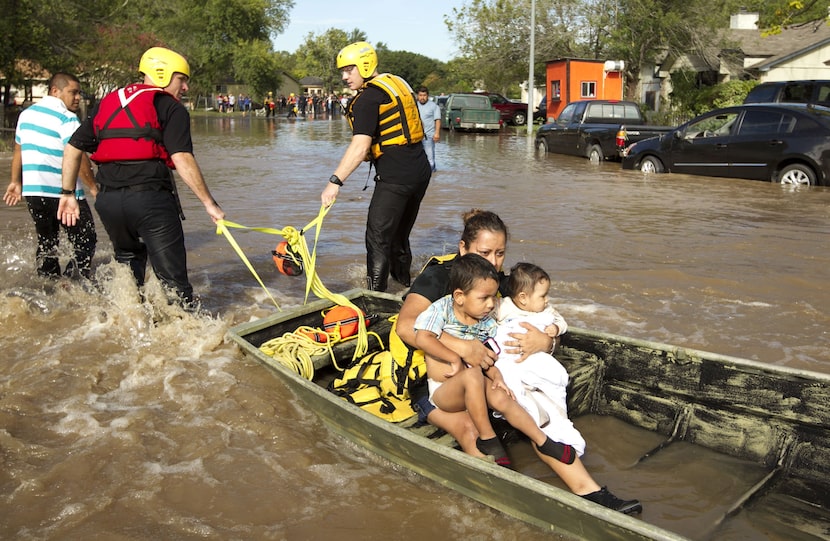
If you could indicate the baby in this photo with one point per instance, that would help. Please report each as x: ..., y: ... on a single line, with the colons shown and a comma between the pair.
x: 540, y: 381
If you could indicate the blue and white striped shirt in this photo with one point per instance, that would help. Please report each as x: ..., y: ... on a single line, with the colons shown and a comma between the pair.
x: 43, y: 130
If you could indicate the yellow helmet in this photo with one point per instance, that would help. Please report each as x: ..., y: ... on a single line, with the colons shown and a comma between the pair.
x: 160, y: 64
x: 359, y: 54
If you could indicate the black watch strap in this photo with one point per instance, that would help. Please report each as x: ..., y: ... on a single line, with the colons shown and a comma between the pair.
x: 67, y: 192
x: 334, y: 179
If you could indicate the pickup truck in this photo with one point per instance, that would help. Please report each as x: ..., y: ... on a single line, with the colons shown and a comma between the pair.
x: 470, y: 112
x: 596, y: 129
x: 512, y: 112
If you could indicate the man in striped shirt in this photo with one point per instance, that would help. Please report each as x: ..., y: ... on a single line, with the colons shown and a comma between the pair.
x: 42, y: 132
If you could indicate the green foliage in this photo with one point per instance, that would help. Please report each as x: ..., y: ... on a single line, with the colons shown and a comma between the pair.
x: 102, y: 40
x: 416, y: 69
x: 224, y: 40
x: 317, y: 56
x: 776, y: 14
x: 689, y: 98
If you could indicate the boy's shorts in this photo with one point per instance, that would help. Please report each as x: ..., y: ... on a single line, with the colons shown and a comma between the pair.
x: 424, y: 407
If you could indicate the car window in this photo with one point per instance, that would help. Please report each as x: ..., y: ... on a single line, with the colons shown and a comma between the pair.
x: 612, y: 112
x: 716, y: 125
x: 823, y: 94
x: 804, y: 126
x: 766, y: 122
x: 566, y: 116
x: 797, y: 93
x: 762, y: 94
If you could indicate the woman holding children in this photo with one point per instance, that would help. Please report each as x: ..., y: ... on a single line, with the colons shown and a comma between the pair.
x: 485, y: 235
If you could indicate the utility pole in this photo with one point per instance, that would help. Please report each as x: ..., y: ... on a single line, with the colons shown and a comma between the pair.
x: 530, y: 98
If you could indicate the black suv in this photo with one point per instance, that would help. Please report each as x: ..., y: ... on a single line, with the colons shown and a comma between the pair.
x: 817, y: 92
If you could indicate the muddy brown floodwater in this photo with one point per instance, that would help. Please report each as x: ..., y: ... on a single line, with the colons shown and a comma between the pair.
x: 121, y: 420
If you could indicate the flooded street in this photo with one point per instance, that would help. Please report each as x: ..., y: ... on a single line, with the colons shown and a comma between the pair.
x: 121, y: 420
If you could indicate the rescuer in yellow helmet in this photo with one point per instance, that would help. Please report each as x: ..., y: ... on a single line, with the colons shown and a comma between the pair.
x: 137, y: 135
x: 387, y: 131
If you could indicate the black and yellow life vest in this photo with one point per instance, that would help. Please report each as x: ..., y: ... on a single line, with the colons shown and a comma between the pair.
x: 400, y: 121
x: 379, y: 383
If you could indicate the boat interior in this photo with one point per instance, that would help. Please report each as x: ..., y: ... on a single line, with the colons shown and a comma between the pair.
x: 713, y: 449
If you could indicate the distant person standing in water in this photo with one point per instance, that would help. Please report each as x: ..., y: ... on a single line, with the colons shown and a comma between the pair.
x: 138, y: 134
x: 387, y: 131
x: 431, y: 119
x: 41, y: 136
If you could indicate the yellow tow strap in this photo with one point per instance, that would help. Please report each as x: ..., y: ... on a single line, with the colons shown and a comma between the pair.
x: 296, y: 240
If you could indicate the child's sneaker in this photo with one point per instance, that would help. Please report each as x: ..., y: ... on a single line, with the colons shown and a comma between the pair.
x: 606, y: 499
x: 494, y: 448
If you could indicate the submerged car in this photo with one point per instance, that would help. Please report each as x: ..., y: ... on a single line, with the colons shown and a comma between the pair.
x: 787, y: 143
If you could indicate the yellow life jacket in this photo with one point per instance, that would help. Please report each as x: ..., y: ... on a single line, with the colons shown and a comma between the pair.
x: 439, y: 260
x: 379, y: 382
x: 400, y: 121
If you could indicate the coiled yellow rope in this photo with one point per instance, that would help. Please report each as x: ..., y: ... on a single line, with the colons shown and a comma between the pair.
x: 296, y: 357
x: 295, y: 349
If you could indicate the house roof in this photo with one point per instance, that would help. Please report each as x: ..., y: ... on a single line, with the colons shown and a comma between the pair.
x: 311, y: 81
x: 791, y: 42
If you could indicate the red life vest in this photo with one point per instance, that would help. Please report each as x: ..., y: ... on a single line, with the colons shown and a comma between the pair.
x: 128, y: 128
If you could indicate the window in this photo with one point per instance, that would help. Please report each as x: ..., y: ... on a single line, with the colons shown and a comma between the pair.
x: 554, y: 91
x: 567, y: 114
x: 589, y: 89
x: 823, y: 94
x: 717, y: 125
x: 613, y: 112
x: 766, y: 122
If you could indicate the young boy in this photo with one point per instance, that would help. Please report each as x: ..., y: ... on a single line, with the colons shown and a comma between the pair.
x: 539, y: 382
x: 467, y: 313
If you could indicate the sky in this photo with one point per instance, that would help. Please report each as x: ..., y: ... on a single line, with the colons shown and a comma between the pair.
x: 417, y: 27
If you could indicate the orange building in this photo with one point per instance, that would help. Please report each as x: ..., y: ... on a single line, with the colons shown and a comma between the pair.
x: 572, y: 79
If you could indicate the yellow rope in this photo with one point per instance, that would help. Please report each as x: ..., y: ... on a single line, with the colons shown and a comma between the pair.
x: 296, y: 240
x: 294, y: 350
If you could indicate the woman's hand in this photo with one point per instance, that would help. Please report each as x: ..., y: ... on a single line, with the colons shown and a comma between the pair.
x: 530, y: 342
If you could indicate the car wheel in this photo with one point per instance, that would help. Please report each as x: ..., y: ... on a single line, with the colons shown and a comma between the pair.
x: 595, y: 154
x: 650, y: 164
x: 797, y: 174
x: 519, y: 119
x: 542, y: 144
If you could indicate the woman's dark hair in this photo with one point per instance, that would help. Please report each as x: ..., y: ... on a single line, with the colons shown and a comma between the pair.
x: 524, y: 277
x: 468, y: 269
x: 476, y: 221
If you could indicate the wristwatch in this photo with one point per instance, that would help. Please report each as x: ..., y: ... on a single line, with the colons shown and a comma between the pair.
x: 67, y: 192
x: 334, y: 179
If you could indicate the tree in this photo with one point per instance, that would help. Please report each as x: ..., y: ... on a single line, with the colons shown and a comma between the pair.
x: 776, y: 14
x: 646, y: 32
x: 416, y: 69
x: 317, y: 56
x: 493, y: 38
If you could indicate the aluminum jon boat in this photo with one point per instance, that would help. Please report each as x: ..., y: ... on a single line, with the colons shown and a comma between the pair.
x: 735, y: 449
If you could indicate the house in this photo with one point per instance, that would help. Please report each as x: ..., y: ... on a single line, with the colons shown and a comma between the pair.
x: 313, y: 86
x: 572, y: 79
x: 744, y: 52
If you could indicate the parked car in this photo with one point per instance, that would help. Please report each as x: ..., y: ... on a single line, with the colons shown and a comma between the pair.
x: 470, y: 112
x: 817, y: 92
x: 512, y: 112
x: 596, y: 129
x: 784, y: 143
x: 541, y: 112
